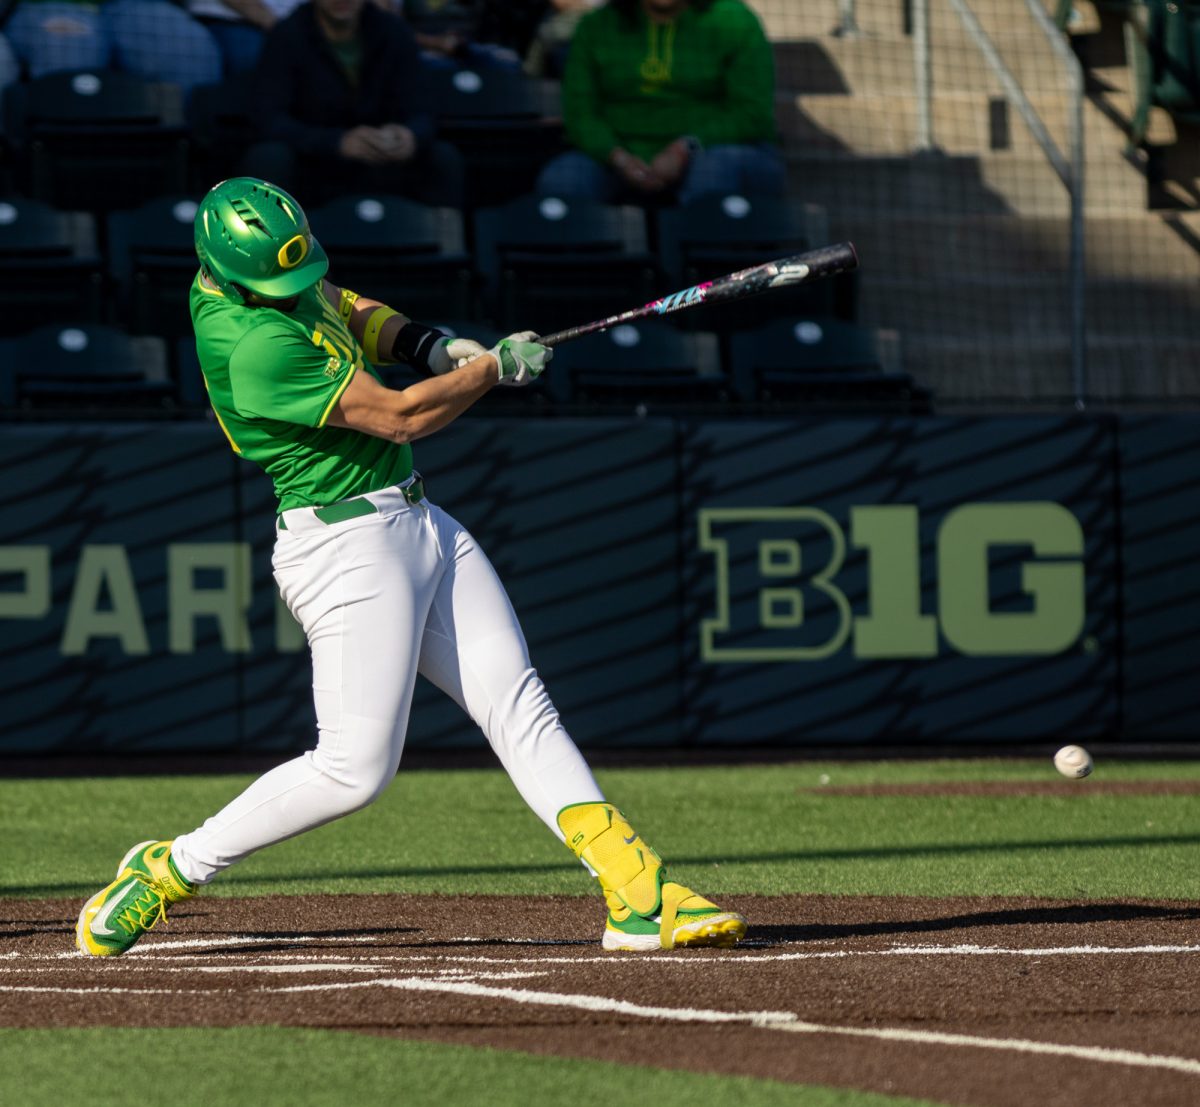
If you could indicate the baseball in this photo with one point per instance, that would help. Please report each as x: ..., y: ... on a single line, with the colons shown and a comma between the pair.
x: 1073, y: 761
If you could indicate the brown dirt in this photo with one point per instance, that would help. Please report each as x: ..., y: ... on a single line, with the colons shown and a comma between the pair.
x: 486, y: 970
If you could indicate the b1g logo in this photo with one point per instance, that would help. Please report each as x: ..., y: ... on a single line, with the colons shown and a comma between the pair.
x: 778, y: 596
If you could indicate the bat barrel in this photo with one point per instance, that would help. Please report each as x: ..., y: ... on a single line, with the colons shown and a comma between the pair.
x: 827, y: 261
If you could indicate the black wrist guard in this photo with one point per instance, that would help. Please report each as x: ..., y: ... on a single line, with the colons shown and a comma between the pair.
x: 414, y: 343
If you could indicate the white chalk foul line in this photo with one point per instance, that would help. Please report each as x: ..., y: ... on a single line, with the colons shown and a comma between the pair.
x: 171, y: 949
x: 783, y: 1021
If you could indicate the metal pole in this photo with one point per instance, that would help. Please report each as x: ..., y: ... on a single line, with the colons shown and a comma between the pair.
x: 1078, y: 270
x: 1058, y: 42
x: 923, y: 75
x: 847, y: 26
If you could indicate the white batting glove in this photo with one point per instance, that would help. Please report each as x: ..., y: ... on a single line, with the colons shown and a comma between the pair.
x: 450, y: 353
x: 521, y: 358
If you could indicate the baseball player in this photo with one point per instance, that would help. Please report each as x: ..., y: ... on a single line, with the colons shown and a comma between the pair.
x: 385, y: 583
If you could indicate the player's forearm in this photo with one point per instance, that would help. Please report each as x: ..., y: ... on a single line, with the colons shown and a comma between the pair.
x: 417, y: 411
x: 431, y: 404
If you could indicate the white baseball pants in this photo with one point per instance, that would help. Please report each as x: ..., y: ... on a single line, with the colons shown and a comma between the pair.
x: 381, y: 597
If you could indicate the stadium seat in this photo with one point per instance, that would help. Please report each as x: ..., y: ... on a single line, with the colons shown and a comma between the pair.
x: 1162, y: 43
x: 823, y: 364
x: 97, y: 139
x: 410, y: 256
x: 549, y: 263
x: 506, y: 125
x: 715, y: 234
x: 49, y: 266
x: 639, y: 366
x: 189, y: 381
x: 152, y: 259
x: 223, y: 128
x: 442, y: 16
x: 88, y: 369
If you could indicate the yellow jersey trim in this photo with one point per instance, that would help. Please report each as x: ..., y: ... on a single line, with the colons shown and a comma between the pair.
x: 337, y: 395
x: 221, y: 422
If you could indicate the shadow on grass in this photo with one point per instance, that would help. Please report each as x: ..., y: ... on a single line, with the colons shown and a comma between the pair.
x: 882, y: 853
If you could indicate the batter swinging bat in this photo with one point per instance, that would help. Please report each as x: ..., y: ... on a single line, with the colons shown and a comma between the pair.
x: 782, y: 273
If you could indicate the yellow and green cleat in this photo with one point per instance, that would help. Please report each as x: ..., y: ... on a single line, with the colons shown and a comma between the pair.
x: 685, y: 920
x: 117, y: 916
x: 646, y: 909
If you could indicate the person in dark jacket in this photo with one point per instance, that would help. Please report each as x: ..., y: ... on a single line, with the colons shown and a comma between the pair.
x: 340, y: 108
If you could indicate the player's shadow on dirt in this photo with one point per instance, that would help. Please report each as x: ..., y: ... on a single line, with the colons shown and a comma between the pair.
x: 1074, y: 915
x: 34, y: 930
x: 286, y: 941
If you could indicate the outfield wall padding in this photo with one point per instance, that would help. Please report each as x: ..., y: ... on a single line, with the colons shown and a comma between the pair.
x: 870, y: 581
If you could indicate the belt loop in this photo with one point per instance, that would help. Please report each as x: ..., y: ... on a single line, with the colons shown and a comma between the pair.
x: 414, y: 491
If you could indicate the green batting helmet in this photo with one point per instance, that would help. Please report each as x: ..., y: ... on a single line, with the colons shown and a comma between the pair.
x: 251, y: 236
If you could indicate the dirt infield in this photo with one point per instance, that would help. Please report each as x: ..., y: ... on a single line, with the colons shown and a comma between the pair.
x: 989, y: 1002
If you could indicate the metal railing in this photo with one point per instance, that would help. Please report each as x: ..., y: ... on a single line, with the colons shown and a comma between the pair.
x: 1069, y: 166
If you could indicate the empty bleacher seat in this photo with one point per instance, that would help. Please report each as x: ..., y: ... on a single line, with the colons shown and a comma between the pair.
x: 505, y: 124
x: 152, y: 258
x: 549, y: 263
x: 97, y: 139
x: 189, y: 381
x: 223, y: 127
x: 823, y: 364
x: 406, y: 254
x: 49, y: 266
x: 639, y: 366
x: 84, y: 369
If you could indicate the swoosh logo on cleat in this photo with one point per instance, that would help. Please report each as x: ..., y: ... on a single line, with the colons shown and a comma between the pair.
x: 631, y: 839
x: 99, y: 923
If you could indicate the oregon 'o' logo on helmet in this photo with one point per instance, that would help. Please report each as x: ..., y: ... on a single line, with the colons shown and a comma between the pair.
x: 251, y: 236
x: 293, y: 252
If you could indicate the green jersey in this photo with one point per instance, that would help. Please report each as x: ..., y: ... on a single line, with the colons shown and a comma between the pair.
x: 273, y: 378
x: 640, y: 85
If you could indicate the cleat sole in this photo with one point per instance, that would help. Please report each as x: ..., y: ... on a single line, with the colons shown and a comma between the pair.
x: 722, y: 931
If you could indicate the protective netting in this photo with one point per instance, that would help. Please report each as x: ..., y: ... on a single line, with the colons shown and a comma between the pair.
x: 963, y: 223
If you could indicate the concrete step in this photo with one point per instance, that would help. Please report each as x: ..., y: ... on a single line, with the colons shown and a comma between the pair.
x: 938, y: 184
x: 882, y: 65
x: 1143, y: 246
x: 822, y: 18
x: 799, y: 19
x: 963, y: 123
x: 1029, y: 305
x: 1119, y: 369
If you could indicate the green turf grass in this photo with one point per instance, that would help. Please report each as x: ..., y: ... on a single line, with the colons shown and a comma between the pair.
x: 760, y: 828
x: 269, y: 1066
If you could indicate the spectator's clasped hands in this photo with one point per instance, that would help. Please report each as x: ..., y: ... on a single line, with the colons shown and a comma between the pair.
x: 663, y: 172
x: 378, y: 145
x: 671, y: 161
x: 635, y: 172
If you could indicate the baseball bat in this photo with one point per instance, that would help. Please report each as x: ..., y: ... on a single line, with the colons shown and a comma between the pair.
x: 812, y: 265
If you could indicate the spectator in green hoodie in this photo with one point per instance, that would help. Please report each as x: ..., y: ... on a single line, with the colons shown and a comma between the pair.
x: 667, y: 99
